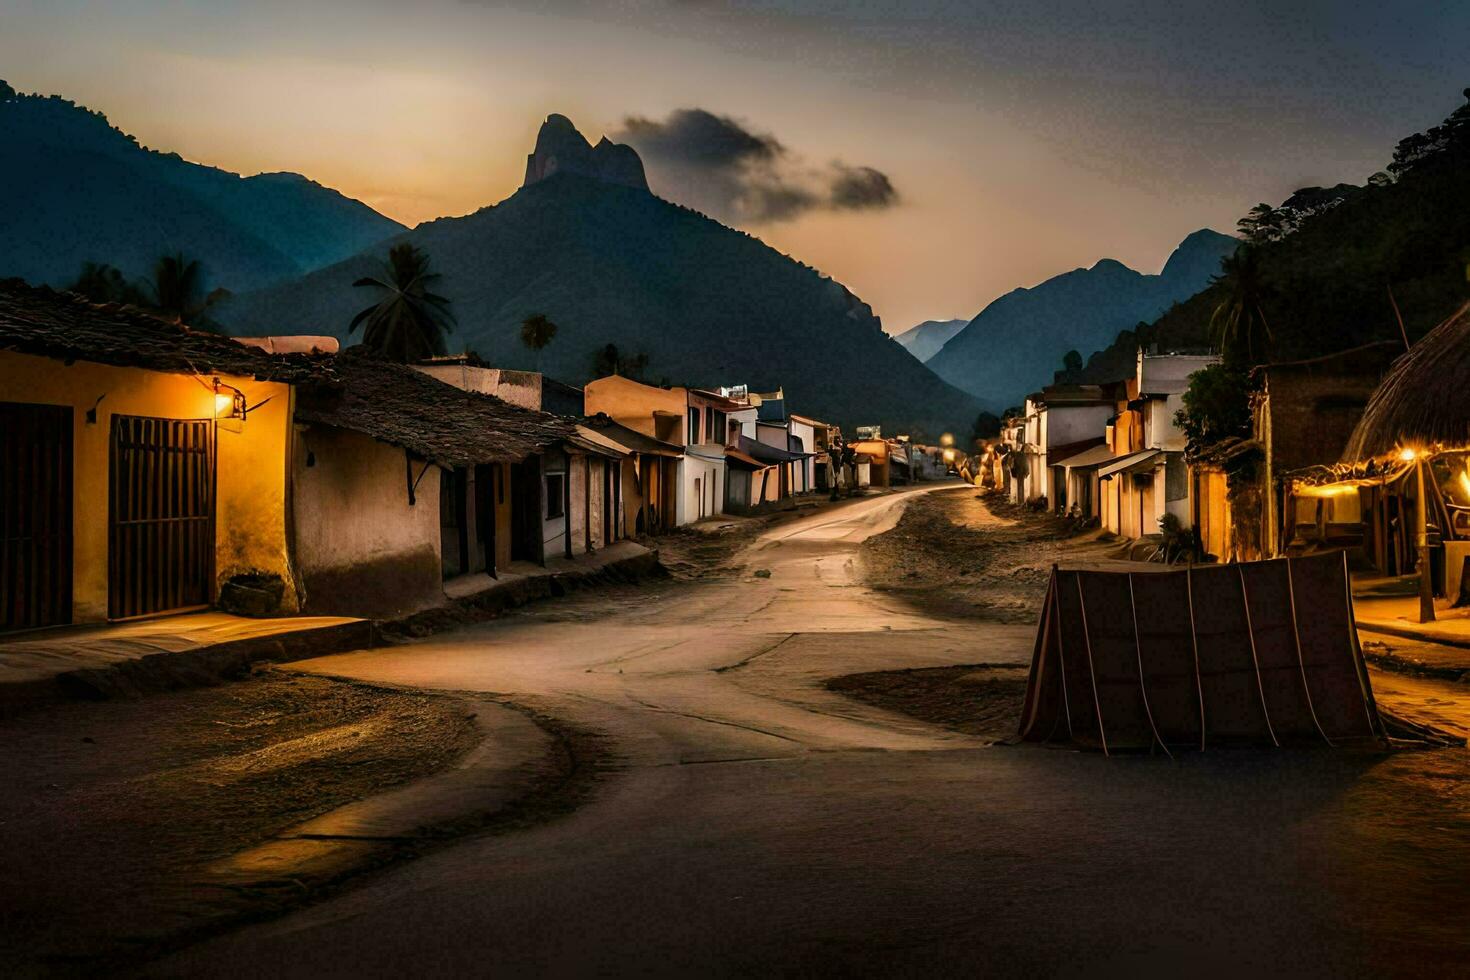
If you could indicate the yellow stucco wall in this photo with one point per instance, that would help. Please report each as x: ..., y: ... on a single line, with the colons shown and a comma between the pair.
x: 632, y: 404
x: 250, y: 515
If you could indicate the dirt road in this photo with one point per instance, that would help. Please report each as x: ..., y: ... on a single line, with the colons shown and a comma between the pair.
x: 112, y: 811
x: 759, y: 823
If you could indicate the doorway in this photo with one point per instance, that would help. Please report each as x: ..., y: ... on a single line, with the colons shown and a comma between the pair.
x: 35, y: 515
x: 160, y: 515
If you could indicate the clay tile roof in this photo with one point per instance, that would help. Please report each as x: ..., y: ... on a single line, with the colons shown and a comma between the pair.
x: 439, y: 422
x: 40, y: 321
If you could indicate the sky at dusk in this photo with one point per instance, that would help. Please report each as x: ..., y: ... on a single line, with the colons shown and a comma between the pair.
x: 930, y: 154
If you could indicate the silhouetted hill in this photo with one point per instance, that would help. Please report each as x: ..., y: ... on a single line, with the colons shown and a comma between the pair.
x: 73, y: 189
x: 610, y: 263
x: 925, y: 340
x: 1016, y: 343
x: 1329, y: 256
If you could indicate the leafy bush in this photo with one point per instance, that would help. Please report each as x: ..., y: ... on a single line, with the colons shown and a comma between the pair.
x: 1216, y: 406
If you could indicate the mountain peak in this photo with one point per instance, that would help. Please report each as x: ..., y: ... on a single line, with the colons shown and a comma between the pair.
x: 561, y: 148
x: 1197, y: 258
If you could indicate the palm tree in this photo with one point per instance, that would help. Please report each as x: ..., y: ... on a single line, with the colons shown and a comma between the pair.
x: 1239, y: 323
x: 609, y: 360
x: 536, y: 333
x: 103, y: 283
x: 176, y: 292
x: 409, y: 322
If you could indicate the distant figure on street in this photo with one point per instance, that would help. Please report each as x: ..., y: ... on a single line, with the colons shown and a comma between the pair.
x: 849, y: 468
x: 834, y: 454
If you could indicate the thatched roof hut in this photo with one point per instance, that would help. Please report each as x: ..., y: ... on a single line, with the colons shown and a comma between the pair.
x: 1424, y: 401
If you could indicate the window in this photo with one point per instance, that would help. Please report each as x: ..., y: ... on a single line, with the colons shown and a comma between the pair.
x: 715, y: 426
x: 693, y: 426
x: 556, y: 495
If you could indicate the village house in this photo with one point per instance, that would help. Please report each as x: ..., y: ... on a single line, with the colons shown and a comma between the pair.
x: 1147, y: 476
x: 817, y: 437
x: 775, y: 428
x: 693, y: 485
x: 648, y: 470
x: 1056, y: 424
x: 1400, y: 490
x: 1302, y: 415
x: 582, y: 482
x: 143, y: 466
x: 401, y: 481
x: 175, y: 469
x: 1070, y: 420
x: 874, y: 458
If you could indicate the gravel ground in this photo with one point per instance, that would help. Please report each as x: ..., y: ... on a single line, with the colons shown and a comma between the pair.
x: 979, y: 699
x: 966, y: 554
x: 127, y: 800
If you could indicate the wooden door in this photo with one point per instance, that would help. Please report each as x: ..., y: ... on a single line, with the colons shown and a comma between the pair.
x: 161, y: 515
x: 35, y: 515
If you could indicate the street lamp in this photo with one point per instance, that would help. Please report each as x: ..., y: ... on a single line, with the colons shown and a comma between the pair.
x: 229, y: 401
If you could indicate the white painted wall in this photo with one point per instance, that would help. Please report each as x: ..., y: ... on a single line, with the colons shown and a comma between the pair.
x: 807, y: 434
x: 705, y: 464
x: 746, y: 417
x: 1072, y: 423
x: 360, y: 547
x: 1168, y: 374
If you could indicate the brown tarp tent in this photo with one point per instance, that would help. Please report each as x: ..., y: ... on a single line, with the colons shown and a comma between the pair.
x: 1257, y: 653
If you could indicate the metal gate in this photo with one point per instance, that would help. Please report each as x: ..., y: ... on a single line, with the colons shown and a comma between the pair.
x: 35, y: 515
x: 161, y: 515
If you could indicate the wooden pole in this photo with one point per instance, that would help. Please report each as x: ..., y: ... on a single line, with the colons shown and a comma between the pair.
x: 1426, y: 577
x: 1399, y: 317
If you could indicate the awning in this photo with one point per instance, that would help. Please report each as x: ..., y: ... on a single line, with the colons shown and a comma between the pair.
x: 767, y: 454
x: 1067, y: 450
x: 630, y: 440
x: 742, y: 461
x: 1089, y: 460
x: 1132, y: 463
x: 594, y: 441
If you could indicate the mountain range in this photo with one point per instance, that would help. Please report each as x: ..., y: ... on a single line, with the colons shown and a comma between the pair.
x: 1016, y: 343
x: 75, y: 189
x: 1345, y: 265
x: 925, y: 340
x: 586, y: 244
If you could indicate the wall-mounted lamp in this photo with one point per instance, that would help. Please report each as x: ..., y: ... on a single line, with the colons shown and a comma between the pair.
x: 229, y: 401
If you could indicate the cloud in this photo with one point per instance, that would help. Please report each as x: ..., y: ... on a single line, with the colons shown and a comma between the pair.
x: 859, y: 188
x: 720, y: 165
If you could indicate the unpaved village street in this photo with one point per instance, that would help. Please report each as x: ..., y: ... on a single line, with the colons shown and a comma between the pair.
x: 756, y: 822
